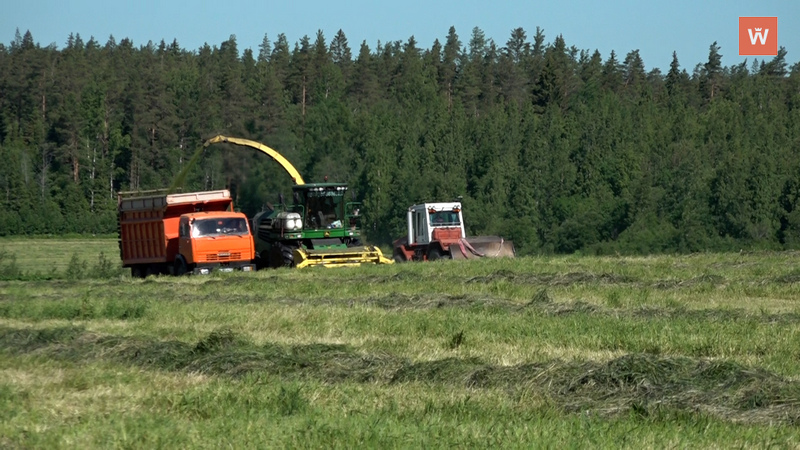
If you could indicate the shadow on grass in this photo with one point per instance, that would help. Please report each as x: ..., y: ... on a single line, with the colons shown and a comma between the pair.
x: 651, y: 386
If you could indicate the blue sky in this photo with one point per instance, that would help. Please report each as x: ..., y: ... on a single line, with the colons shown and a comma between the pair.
x: 655, y: 28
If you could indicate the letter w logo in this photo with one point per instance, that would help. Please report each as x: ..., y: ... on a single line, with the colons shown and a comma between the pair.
x: 758, y: 36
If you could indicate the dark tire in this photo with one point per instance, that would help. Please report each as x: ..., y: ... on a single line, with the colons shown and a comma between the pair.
x: 150, y: 270
x: 399, y: 256
x: 181, y: 268
x: 262, y: 260
x: 137, y: 272
x: 281, y: 255
x: 354, y: 243
x: 436, y: 253
x: 287, y: 254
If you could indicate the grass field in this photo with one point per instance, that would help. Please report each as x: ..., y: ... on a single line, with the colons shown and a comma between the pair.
x: 51, y: 257
x: 664, y: 351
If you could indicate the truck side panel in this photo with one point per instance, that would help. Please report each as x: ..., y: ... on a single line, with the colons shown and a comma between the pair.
x: 142, y: 236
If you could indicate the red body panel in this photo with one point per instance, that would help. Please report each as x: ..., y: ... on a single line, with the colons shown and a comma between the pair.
x: 442, y: 237
x: 446, y: 237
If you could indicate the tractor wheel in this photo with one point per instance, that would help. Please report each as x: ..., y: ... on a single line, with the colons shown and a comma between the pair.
x: 435, y: 252
x: 354, y: 242
x: 399, y: 256
x: 281, y: 255
x: 181, y: 268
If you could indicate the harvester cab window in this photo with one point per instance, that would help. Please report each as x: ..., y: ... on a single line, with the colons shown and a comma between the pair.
x: 324, y: 210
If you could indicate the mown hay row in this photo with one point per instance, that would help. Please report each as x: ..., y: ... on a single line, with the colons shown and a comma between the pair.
x: 644, y: 384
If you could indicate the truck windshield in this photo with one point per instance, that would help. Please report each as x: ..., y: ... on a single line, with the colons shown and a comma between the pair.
x: 444, y: 219
x: 229, y: 226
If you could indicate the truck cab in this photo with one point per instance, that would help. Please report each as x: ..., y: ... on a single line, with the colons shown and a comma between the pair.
x: 208, y: 240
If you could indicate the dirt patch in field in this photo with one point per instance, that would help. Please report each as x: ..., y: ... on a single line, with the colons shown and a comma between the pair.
x: 649, y: 385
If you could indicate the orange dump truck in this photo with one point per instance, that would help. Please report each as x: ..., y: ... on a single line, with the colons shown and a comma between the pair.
x: 194, y: 232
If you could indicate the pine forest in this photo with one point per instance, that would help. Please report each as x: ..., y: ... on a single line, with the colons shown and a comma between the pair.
x: 559, y: 149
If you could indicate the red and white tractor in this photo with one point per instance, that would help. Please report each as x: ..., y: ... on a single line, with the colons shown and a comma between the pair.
x: 436, y: 231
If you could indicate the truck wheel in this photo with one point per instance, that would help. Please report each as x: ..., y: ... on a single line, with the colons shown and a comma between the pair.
x: 181, y: 268
x: 274, y: 259
x: 262, y: 260
x: 435, y: 253
x: 137, y: 272
x: 150, y: 270
x: 399, y: 256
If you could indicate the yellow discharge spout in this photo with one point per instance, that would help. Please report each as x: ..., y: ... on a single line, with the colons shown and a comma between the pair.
x: 287, y: 166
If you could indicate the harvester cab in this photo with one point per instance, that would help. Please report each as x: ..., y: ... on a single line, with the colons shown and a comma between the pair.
x: 321, y: 227
x: 436, y: 231
x: 324, y: 208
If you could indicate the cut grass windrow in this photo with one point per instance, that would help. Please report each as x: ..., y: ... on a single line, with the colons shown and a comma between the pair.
x: 131, y: 306
x: 643, y: 384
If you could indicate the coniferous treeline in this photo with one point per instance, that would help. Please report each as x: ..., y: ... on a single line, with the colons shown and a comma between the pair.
x: 554, y: 147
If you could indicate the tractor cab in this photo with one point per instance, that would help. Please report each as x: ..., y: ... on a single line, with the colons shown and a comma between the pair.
x: 428, y: 222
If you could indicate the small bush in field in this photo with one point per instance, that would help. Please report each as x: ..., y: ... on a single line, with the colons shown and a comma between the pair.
x: 8, y: 266
x: 77, y: 268
x: 106, y: 268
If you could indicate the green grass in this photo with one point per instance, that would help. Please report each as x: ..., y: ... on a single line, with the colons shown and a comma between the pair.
x: 53, y: 258
x: 666, y: 351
